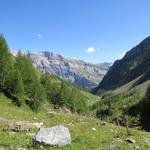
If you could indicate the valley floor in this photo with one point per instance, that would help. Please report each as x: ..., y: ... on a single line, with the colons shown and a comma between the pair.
x: 87, y: 133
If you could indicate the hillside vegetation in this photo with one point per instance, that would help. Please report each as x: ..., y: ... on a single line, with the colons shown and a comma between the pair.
x: 132, y: 107
x: 84, y: 137
x: 124, y: 91
x: 25, y: 85
x: 111, y: 107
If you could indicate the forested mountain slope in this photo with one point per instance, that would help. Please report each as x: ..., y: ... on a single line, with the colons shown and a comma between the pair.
x: 25, y: 85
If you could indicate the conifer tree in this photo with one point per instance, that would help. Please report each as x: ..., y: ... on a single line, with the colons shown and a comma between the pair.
x: 34, y: 92
x: 18, y: 87
x: 47, y: 84
x: 64, y: 95
x: 6, y: 65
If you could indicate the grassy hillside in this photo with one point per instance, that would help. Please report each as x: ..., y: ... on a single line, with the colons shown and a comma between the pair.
x: 133, y: 85
x: 83, y: 137
x: 127, y: 87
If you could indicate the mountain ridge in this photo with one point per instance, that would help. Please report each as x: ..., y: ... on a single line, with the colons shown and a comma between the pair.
x: 135, y: 63
x: 84, y: 74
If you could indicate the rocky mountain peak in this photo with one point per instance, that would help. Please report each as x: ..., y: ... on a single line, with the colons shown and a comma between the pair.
x: 84, y: 74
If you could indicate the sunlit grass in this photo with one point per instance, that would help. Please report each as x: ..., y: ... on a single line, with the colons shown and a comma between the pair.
x: 83, y: 137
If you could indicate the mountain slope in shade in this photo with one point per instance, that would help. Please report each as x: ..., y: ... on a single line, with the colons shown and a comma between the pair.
x: 83, y: 74
x: 136, y: 63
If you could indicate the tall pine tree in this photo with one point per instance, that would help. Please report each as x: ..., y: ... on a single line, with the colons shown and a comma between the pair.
x: 18, y: 86
x: 34, y: 92
x: 6, y: 66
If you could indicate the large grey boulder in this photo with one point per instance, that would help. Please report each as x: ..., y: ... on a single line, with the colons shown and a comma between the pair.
x: 54, y: 136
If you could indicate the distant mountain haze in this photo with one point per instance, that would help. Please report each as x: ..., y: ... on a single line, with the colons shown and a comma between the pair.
x: 84, y: 74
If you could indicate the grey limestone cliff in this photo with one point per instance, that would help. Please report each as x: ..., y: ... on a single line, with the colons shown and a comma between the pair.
x: 79, y: 72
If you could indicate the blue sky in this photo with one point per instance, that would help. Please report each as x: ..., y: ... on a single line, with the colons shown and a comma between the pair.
x: 93, y: 30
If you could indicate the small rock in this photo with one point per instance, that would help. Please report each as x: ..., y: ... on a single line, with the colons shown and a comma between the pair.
x: 136, y: 146
x: 37, y: 124
x: 41, y: 147
x: 117, y: 142
x: 34, y: 118
x: 65, y: 110
x: 22, y: 126
x: 70, y: 124
x: 130, y: 140
x: 54, y: 136
x: 51, y: 112
x: 11, y: 133
x: 94, y: 129
x: 3, y: 148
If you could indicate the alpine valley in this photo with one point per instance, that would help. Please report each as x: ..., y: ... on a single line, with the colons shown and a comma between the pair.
x: 39, y: 109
